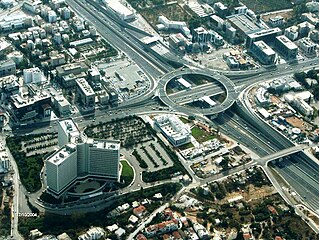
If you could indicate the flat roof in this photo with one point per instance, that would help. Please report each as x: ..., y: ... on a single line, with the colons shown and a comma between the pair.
x: 85, y: 86
x: 148, y: 40
x: 264, y: 32
x: 184, y: 82
x: 69, y: 126
x: 287, y: 42
x: 208, y: 100
x: 104, y: 144
x: 118, y: 7
x: 265, y: 48
x: 244, y: 23
x: 62, y: 154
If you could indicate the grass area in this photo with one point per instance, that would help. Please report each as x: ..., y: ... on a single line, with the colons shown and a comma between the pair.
x: 127, y: 172
x: 201, y: 135
x: 185, y: 120
x: 173, y: 12
x: 186, y: 146
x: 261, y: 6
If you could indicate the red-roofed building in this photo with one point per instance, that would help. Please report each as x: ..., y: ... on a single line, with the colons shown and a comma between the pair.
x: 247, y: 236
x: 168, y: 212
x: 176, y: 235
x: 278, y: 238
x: 139, y: 211
x: 141, y: 237
x: 163, y: 227
x: 272, y: 210
x: 166, y: 236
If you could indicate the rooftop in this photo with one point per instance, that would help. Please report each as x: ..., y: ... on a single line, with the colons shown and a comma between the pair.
x: 104, y: 144
x: 244, y: 23
x: 84, y: 86
x: 265, y: 48
x: 286, y: 41
x: 58, y: 157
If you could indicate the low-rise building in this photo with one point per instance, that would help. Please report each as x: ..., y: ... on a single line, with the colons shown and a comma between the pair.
x: 62, y: 105
x: 139, y: 211
x: 166, y: 24
x: 122, y: 11
x: 93, y: 233
x: 173, y: 129
x: 303, y: 107
x: 74, y: 68
x: 162, y: 228
x: 7, y: 67
x: 276, y: 21
x: 307, y: 46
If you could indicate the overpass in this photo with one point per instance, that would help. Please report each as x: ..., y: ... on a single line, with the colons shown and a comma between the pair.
x: 281, y: 154
x: 226, y: 84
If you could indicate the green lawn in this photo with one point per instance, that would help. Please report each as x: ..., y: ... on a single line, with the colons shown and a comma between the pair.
x: 201, y: 135
x: 186, y: 146
x: 185, y: 120
x: 127, y: 172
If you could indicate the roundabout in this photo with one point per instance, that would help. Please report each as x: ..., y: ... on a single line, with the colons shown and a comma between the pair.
x: 226, y: 83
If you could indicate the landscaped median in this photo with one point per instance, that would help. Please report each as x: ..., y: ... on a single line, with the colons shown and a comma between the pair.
x: 127, y: 175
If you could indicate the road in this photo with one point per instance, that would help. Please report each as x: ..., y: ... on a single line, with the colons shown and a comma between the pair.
x: 240, y: 122
x: 15, y: 210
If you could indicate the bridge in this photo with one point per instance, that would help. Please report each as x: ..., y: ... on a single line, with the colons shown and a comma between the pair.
x: 281, y: 154
x: 209, y: 89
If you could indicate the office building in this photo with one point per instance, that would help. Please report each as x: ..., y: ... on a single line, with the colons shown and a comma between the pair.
x: 217, y: 22
x: 7, y: 67
x: 122, y: 11
x: 221, y: 9
x: 15, y: 22
x: 203, y: 36
x: 32, y: 105
x: 267, y: 35
x: 80, y: 157
x: 61, y: 168
x: 62, y: 105
x: 276, y: 21
x: 173, y: 129
x: 307, y: 46
x: 68, y: 132
x: 166, y: 24
x: 33, y: 75
x: 292, y: 33
x: 304, y: 28
x: 84, y: 93
x: 52, y: 17
x: 286, y: 47
x: 74, y: 68
x: 263, y: 52
x: 243, y: 24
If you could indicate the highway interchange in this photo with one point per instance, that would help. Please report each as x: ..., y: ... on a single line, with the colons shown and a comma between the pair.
x: 238, y: 121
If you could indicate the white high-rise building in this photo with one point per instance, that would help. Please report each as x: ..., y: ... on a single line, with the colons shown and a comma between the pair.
x: 80, y: 157
x: 33, y: 75
x: 52, y: 17
x: 67, y: 132
x: 61, y: 168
